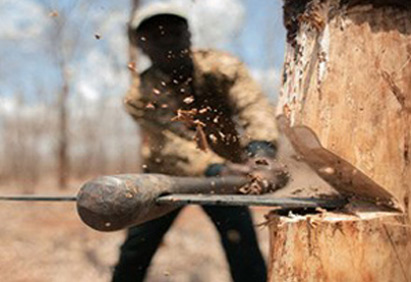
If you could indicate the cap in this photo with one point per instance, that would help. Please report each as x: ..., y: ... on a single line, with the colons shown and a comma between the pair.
x: 155, y: 9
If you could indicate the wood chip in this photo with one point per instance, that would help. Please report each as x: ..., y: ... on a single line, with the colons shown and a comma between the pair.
x: 188, y: 100
x: 213, y: 138
x: 185, y: 116
x: 53, y: 14
x: 132, y: 66
x: 201, y: 138
x: 150, y: 106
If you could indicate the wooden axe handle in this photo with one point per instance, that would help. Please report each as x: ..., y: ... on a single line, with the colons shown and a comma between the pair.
x: 111, y: 203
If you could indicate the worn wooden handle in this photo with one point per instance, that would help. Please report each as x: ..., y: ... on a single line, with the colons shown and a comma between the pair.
x: 111, y: 203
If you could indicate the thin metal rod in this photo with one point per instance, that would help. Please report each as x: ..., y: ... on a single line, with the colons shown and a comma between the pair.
x: 251, y: 200
x: 215, y: 200
x: 42, y: 198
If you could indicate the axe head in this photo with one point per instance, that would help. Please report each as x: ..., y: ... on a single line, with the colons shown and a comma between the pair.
x: 319, y: 172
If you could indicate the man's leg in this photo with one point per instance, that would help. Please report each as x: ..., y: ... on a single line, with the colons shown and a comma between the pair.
x: 139, y: 248
x: 240, y: 244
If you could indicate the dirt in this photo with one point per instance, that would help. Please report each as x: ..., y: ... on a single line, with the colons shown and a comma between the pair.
x: 48, y: 242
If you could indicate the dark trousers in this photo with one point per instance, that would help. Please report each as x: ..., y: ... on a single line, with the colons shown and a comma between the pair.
x: 237, y: 235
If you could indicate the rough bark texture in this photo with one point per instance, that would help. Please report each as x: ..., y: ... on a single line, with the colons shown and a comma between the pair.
x: 338, y: 247
x: 347, y: 77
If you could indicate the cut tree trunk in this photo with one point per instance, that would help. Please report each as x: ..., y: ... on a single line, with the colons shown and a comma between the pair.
x: 347, y: 78
x: 339, y: 247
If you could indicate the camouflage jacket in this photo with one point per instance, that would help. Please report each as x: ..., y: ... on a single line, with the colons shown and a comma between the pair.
x: 220, y: 109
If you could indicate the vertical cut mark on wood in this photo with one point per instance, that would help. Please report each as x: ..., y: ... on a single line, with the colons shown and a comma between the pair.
x: 309, y: 239
x: 396, y: 253
x: 314, y: 61
x: 406, y: 62
x: 406, y: 203
x: 406, y: 156
x: 323, y: 58
x: 406, y: 150
x: 395, y: 89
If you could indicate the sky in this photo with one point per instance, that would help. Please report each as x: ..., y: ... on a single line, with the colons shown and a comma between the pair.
x: 253, y: 32
x: 30, y: 79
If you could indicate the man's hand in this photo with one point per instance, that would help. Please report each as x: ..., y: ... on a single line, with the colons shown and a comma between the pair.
x: 265, y: 172
x: 266, y: 175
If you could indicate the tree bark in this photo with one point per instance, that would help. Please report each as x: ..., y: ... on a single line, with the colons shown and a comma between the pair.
x: 347, y: 77
x: 339, y: 247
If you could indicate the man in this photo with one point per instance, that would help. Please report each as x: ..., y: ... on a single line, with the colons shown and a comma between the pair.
x: 197, y: 110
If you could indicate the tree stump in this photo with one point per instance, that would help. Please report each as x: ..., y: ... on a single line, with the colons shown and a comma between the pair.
x: 347, y: 78
x: 339, y: 247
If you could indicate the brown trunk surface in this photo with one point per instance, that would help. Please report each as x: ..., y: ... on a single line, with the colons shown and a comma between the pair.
x: 347, y: 77
x: 339, y: 247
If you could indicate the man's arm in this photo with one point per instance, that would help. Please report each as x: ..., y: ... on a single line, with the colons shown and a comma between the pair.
x: 179, y: 155
x: 190, y: 160
x: 133, y: 101
x: 255, y: 113
x: 140, y: 106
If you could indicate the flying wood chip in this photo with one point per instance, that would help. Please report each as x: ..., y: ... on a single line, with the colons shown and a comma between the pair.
x: 53, y: 14
x: 132, y: 66
x: 201, y: 138
x: 150, y: 106
x: 186, y: 116
x: 188, y: 100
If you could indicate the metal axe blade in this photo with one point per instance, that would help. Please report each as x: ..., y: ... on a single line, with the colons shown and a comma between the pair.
x: 304, y: 155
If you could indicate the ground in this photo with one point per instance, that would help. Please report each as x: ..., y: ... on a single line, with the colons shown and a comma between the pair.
x: 48, y: 242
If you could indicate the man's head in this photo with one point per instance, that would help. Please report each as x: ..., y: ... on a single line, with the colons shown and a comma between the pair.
x: 160, y: 33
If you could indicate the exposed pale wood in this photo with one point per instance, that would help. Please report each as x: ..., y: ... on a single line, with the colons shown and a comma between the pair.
x: 339, y: 247
x: 347, y: 79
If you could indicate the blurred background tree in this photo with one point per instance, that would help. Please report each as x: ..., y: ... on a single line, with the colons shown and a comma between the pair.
x: 63, y: 73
